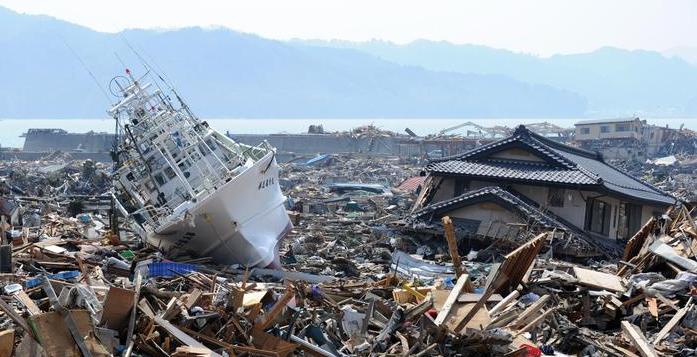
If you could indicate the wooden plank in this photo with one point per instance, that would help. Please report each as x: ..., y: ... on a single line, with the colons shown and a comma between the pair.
x: 452, y: 298
x: 480, y: 321
x: 653, y: 306
x: 667, y: 301
x: 452, y: 245
x: 671, y: 324
x: 83, y: 269
x: 510, y: 273
x: 530, y: 311
x: 23, y: 298
x: 193, y: 298
x: 57, y: 339
x: 117, y: 308
x: 636, y: 242
x: 268, y: 342
x: 689, y: 219
x: 181, y: 335
x: 599, y: 280
x: 638, y: 340
x: 536, y: 321
x: 505, y: 302
x: 7, y: 342
x: 473, y: 297
x: 634, y: 300
x: 277, y: 308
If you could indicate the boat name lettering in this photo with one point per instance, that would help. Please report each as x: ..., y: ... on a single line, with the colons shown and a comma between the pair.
x: 266, y: 183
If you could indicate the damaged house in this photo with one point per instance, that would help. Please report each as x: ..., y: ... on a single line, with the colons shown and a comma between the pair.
x: 526, y: 183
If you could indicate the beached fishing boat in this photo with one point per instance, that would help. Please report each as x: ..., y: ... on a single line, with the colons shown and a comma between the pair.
x: 190, y: 188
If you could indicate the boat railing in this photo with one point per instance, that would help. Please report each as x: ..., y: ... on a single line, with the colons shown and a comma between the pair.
x: 258, y: 151
x: 153, y: 215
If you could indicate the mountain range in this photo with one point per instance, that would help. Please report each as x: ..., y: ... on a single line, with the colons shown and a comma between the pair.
x: 50, y: 68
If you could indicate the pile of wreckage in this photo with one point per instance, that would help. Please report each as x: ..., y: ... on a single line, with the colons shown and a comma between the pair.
x: 55, y: 175
x: 673, y: 173
x: 75, y: 283
x: 68, y: 294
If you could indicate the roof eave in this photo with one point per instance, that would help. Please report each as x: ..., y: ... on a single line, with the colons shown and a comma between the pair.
x: 497, y: 179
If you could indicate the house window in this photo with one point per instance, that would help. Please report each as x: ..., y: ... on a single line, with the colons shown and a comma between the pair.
x: 598, y: 216
x: 555, y: 197
x: 585, y: 131
x: 623, y: 127
x: 604, y: 129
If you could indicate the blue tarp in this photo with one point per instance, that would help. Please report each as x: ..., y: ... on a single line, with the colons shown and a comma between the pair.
x: 169, y: 269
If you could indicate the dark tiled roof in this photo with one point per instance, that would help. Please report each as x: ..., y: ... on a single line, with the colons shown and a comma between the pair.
x: 515, y: 170
x: 491, y: 194
x: 563, y: 164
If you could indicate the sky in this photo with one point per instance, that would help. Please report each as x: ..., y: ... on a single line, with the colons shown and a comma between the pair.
x: 541, y: 27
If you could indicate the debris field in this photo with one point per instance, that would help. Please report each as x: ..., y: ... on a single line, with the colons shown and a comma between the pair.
x: 76, y: 282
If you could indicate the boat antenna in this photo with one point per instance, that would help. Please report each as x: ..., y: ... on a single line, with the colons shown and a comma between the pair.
x: 116, y: 54
x: 145, y: 63
x: 157, y: 73
x: 84, y: 66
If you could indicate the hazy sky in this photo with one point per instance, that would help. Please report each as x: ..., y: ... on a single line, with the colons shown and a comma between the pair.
x: 541, y: 27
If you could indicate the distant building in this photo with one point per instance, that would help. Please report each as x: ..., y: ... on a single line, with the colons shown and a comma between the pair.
x: 50, y: 140
x: 528, y: 181
x: 614, y: 138
x: 631, y: 139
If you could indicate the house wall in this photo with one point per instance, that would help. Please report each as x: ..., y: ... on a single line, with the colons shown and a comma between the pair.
x: 496, y: 221
x: 516, y: 154
x: 573, y: 211
x: 446, y: 190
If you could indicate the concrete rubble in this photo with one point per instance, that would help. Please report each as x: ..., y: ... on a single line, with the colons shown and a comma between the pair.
x: 76, y: 282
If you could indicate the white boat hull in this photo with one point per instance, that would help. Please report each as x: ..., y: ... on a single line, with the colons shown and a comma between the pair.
x: 240, y: 223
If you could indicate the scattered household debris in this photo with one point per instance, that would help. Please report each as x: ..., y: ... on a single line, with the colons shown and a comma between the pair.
x: 68, y: 295
x: 77, y: 282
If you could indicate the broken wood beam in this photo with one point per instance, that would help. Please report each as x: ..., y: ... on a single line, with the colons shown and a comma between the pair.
x: 531, y: 310
x: 638, y: 340
x: 452, y: 245
x: 277, y: 308
x: 672, y: 322
x: 536, y: 321
x: 505, y: 302
x: 451, y: 300
x: 180, y: 335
